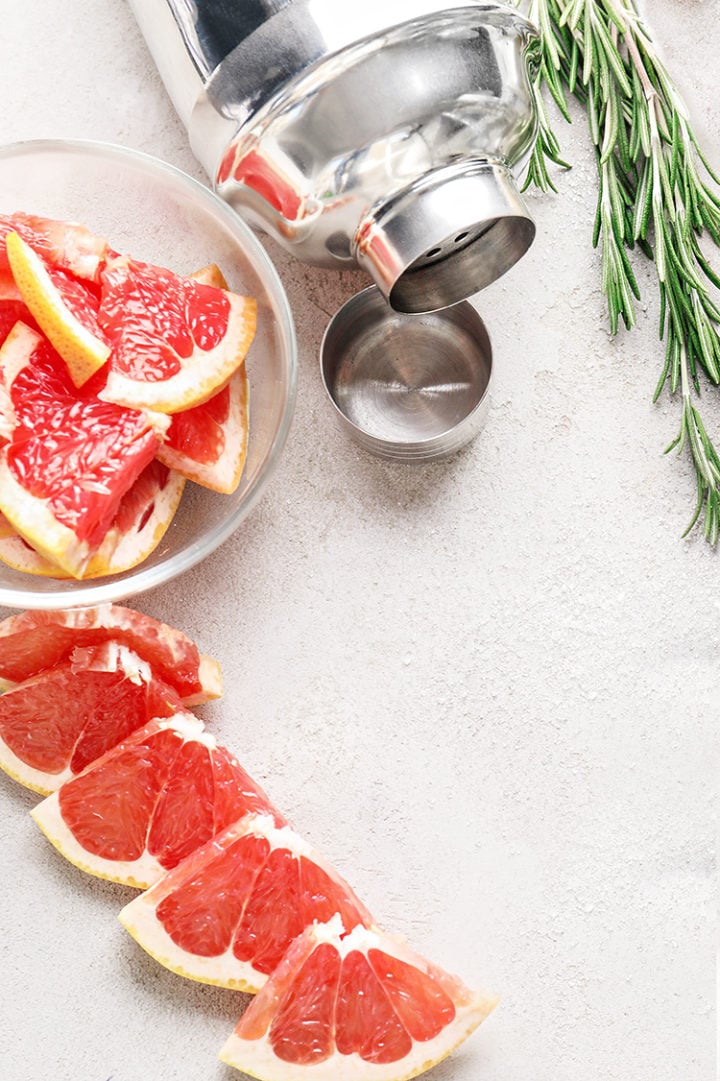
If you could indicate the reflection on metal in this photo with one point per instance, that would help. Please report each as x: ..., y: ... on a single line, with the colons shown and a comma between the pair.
x: 384, y: 134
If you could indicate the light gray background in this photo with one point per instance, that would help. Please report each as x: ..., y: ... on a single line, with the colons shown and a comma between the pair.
x: 486, y: 689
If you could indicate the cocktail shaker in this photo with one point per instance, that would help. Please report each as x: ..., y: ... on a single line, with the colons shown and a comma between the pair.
x: 381, y: 134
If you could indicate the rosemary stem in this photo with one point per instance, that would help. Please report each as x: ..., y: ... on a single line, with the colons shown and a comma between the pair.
x: 652, y: 195
x: 629, y: 36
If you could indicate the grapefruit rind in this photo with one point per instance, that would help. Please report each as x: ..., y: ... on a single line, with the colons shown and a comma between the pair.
x: 256, y: 1057
x: 121, y: 551
x: 83, y: 352
x: 222, y: 475
x: 139, y: 917
x: 210, y: 275
x: 257, y: 1060
x: 210, y: 679
x: 34, y: 779
x: 17, y: 554
x: 6, y: 530
x: 144, y: 927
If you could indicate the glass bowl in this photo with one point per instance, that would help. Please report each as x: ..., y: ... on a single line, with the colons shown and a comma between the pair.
x: 158, y: 214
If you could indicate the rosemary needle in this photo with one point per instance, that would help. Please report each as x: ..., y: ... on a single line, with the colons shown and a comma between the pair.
x: 656, y: 193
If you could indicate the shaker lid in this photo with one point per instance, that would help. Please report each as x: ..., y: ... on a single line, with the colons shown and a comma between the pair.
x: 445, y: 237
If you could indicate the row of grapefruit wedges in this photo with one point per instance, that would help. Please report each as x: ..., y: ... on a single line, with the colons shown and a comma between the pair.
x: 119, y: 381
x: 96, y: 716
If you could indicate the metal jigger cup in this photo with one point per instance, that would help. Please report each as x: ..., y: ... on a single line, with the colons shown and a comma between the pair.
x: 407, y: 387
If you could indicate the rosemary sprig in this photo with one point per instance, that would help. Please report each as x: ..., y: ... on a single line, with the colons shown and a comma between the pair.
x: 656, y: 192
x: 555, y: 45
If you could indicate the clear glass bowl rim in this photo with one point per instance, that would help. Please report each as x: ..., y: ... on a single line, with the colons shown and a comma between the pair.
x: 141, y: 579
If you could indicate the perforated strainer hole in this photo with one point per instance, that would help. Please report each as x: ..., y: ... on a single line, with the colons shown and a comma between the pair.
x: 451, y: 244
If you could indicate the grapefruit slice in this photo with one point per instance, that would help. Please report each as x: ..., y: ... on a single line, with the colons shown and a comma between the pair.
x: 143, y: 517
x: 208, y: 443
x: 71, y: 457
x: 64, y: 308
x: 144, y: 806
x: 65, y: 244
x: 33, y: 641
x: 227, y: 914
x: 56, y: 723
x: 175, y: 341
x: 353, y: 1007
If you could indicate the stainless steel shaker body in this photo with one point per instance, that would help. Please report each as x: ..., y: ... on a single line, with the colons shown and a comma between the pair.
x: 383, y: 134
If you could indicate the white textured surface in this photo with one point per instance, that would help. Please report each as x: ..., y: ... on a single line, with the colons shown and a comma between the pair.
x: 487, y: 689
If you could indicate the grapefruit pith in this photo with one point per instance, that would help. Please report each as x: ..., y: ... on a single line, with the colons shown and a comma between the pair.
x: 33, y: 641
x: 140, y: 809
x: 227, y: 914
x: 57, y: 722
x: 353, y: 1007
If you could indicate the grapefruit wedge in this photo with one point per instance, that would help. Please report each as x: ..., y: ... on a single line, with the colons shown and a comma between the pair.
x: 353, y: 1007
x: 70, y: 457
x: 65, y: 244
x: 142, y: 519
x: 175, y: 341
x: 56, y: 723
x: 64, y: 308
x: 208, y: 443
x: 149, y: 803
x: 33, y: 641
x: 227, y: 914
